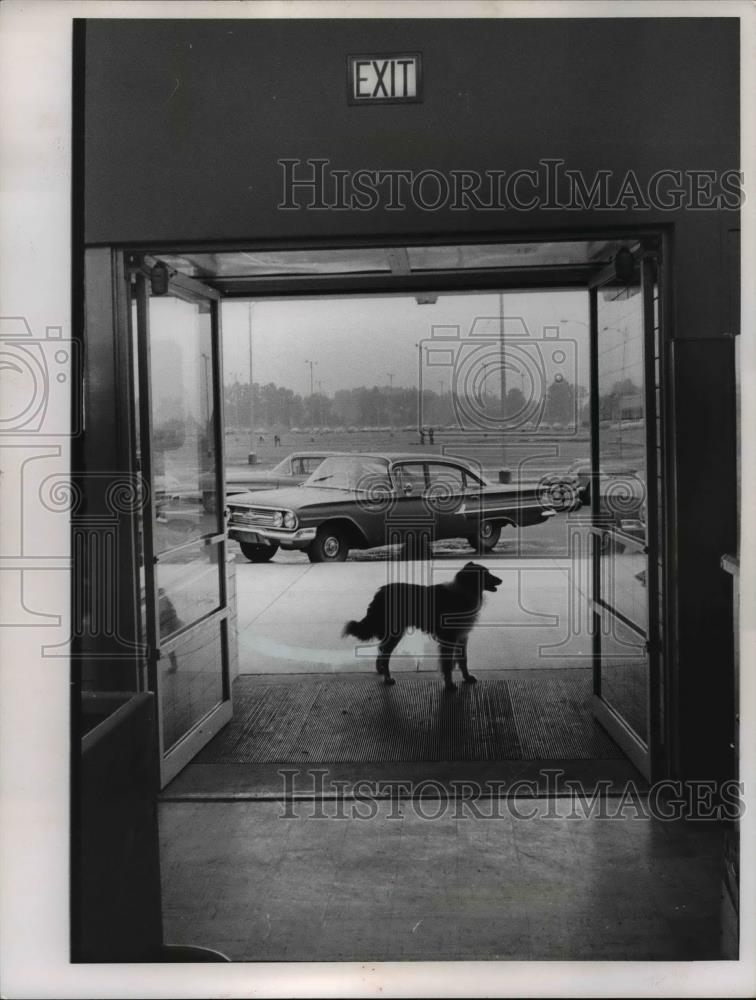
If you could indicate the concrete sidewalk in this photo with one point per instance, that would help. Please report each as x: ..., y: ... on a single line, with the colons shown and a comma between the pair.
x: 291, y: 615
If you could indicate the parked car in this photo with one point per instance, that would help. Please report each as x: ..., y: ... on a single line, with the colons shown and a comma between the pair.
x: 622, y: 496
x: 290, y: 471
x: 366, y: 500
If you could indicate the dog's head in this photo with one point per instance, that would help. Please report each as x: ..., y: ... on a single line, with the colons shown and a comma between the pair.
x: 476, y: 577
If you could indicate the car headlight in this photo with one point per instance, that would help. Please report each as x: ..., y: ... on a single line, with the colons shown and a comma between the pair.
x: 289, y: 519
x: 277, y: 519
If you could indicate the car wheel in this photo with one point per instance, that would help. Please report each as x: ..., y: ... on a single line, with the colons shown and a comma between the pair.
x: 329, y: 545
x: 486, y: 537
x: 258, y: 553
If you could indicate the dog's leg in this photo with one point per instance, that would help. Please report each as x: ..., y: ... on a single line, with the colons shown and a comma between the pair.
x: 385, y: 650
x: 447, y: 665
x: 467, y: 677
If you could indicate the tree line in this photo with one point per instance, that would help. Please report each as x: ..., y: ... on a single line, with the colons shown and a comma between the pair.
x: 274, y: 406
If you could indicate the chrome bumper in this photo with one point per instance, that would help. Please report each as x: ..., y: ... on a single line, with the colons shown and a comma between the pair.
x: 298, y: 539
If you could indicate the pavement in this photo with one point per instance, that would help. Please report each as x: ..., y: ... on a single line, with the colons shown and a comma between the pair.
x: 291, y: 613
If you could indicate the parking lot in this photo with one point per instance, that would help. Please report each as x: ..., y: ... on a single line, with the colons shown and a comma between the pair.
x: 291, y: 612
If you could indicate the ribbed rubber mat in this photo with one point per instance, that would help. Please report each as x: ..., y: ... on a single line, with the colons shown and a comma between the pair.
x: 353, y: 718
x: 553, y: 717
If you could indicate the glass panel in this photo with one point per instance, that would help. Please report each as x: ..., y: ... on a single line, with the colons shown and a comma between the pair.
x: 183, y: 421
x: 624, y: 676
x: 191, y: 682
x: 188, y: 586
x: 410, y: 475
x: 621, y: 432
x: 623, y: 579
x: 445, y: 478
x: 305, y: 464
x: 622, y: 502
x: 349, y: 472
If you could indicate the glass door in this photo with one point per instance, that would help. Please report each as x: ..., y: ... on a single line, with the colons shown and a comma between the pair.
x: 625, y: 494
x: 183, y: 541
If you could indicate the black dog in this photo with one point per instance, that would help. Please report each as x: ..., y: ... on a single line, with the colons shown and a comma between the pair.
x: 447, y: 611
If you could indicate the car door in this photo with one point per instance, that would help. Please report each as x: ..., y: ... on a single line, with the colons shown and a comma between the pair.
x: 409, y: 515
x: 445, y: 498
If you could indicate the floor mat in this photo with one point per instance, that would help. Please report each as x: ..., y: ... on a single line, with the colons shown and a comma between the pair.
x: 353, y: 718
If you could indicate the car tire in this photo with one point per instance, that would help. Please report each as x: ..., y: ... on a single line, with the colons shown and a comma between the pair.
x: 258, y: 553
x: 486, y: 537
x: 329, y: 545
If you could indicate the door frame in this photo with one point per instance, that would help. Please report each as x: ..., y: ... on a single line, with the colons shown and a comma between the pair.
x: 546, y: 279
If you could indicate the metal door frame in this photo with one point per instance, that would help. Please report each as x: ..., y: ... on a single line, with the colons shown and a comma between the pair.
x: 655, y: 243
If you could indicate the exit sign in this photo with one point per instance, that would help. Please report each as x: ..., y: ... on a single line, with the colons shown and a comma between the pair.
x: 385, y: 79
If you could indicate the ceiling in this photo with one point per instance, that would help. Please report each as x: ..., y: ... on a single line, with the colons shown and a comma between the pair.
x: 245, y: 264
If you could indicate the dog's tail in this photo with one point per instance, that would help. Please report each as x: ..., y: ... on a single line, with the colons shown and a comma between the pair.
x: 360, y: 630
x: 372, y: 625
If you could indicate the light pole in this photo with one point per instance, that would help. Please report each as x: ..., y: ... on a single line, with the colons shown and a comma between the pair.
x: 391, y: 393
x: 312, y: 389
x: 206, y: 358
x: 319, y: 384
x: 208, y: 426
x: 419, y: 347
x: 251, y: 394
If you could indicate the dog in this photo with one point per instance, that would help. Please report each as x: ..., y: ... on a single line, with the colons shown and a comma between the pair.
x: 446, y: 611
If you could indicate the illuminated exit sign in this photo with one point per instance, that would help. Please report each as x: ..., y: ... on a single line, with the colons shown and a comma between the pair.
x: 385, y: 79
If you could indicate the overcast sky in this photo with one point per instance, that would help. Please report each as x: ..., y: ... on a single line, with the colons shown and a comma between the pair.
x: 359, y: 341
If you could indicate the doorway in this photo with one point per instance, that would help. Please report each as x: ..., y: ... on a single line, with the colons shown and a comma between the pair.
x: 609, y: 511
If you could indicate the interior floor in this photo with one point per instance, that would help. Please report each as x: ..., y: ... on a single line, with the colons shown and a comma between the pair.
x: 241, y: 878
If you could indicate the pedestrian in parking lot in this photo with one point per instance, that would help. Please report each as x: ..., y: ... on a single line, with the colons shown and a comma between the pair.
x: 422, y: 436
x: 430, y: 435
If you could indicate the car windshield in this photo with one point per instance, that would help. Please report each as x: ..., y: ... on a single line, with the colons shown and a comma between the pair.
x: 283, y: 468
x: 350, y: 472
